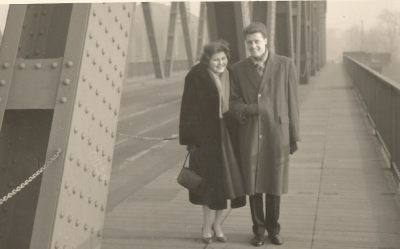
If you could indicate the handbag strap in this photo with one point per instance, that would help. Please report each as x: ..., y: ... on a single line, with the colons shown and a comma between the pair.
x: 201, y: 169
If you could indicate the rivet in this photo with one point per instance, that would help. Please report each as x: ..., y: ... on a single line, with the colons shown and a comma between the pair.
x: 106, y: 30
x: 94, y: 173
x: 101, y: 123
x: 110, y: 60
x: 70, y: 64
x: 115, y: 67
x: 85, y: 167
x: 86, y: 227
x: 63, y: 100
x: 115, y: 112
x: 112, y: 134
x: 38, y: 66
x: 87, y: 53
x: 79, y: 103
x: 74, y: 190
x: 100, y: 69
x: 118, y: 47
x: 106, y: 129
x: 90, y: 85
x: 113, y: 39
x: 84, y: 77
x: 54, y: 65
x: 123, y: 6
x: 22, y: 65
x: 107, y: 77
x: 113, y: 83
x: 102, y: 207
x: 66, y: 82
x: 99, y: 234
x: 35, y: 13
x: 129, y: 14
x: 119, y: 90
x: 94, y: 61
x: 76, y: 129
x: 69, y: 218
x: 83, y: 135
x: 78, y: 163
x: 92, y: 230
x: 96, y: 203
x: 24, y: 26
x: 94, y: 13
x: 61, y: 214
x: 116, y: 19
x: 126, y: 33
x: 97, y: 92
x: 87, y: 110
x: 19, y: 48
x: 110, y: 106
x: 90, y: 141
x: 105, y: 182
x: 77, y: 223
x: 71, y: 157
x: 123, y: 53
x: 97, y: 148
x: 90, y: 199
x: 81, y: 194
x: 109, y: 8
x: 100, y: 22
x: 121, y: 74
x: 2, y: 82
x: 104, y: 99
x: 121, y: 26
x: 103, y: 153
x: 66, y: 186
x: 97, y: 44
x: 103, y: 52
x: 109, y: 158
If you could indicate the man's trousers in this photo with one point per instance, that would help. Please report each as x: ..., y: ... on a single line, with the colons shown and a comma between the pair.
x: 270, y: 222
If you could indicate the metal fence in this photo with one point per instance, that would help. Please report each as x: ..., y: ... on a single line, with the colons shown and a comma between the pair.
x: 381, y: 99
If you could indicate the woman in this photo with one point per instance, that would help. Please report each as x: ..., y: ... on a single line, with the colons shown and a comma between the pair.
x: 203, y: 128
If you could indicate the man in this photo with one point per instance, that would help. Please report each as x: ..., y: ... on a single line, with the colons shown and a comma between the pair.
x: 264, y: 100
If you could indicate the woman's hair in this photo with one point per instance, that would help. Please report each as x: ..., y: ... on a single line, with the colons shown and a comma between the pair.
x: 212, y: 48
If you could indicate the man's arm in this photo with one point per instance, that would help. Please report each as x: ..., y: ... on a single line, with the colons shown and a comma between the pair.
x: 294, y: 125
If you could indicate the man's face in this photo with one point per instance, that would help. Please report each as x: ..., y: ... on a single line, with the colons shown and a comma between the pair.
x: 256, y: 44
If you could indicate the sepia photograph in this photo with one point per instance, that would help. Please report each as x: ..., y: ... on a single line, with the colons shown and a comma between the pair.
x: 188, y: 124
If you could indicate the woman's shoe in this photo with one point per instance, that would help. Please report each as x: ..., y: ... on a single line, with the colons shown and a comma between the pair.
x: 219, y: 239
x: 206, y: 240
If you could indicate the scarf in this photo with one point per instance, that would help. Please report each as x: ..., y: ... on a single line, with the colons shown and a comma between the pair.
x: 222, y: 84
x: 260, y: 64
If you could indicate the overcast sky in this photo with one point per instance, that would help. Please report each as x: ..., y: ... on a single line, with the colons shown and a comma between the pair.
x: 341, y: 14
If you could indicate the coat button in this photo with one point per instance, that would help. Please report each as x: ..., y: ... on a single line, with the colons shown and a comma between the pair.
x: 259, y: 95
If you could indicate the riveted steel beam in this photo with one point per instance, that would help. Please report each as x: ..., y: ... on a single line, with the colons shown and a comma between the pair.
x: 200, y: 31
x: 297, y: 33
x: 186, y: 34
x: 158, y: 69
x: 305, y: 44
x: 226, y: 21
x: 170, y: 39
x: 265, y: 12
x: 284, y: 29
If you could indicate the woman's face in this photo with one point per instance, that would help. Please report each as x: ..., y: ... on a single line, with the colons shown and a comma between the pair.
x: 218, y: 62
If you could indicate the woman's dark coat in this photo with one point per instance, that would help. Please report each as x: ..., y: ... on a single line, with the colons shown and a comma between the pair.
x: 200, y: 125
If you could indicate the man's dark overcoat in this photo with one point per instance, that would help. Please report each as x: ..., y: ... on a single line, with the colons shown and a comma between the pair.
x: 264, y: 138
x: 200, y: 125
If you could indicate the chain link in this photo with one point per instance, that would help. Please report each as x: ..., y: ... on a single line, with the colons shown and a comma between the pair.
x: 147, y: 138
x: 31, y: 178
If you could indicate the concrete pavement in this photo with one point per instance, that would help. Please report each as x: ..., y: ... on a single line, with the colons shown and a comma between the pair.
x: 341, y: 191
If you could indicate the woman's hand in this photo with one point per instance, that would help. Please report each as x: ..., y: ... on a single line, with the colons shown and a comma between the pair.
x: 191, y: 148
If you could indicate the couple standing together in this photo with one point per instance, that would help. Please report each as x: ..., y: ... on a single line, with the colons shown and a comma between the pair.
x: 241, y: 125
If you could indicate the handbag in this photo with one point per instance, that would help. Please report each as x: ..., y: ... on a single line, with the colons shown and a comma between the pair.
x: 191, y: 180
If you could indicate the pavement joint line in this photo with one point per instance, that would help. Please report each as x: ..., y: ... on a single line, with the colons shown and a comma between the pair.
x: 149, y: 109
x: 146, y: 130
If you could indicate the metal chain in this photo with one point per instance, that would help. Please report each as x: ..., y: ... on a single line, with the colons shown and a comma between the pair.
x: 16, y: 190
x: 148, y: 138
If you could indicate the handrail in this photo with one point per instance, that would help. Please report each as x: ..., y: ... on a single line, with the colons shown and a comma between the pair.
x: 375, y: 73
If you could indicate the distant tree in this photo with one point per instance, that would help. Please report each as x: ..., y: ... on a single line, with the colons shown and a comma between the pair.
x: 389, y: 25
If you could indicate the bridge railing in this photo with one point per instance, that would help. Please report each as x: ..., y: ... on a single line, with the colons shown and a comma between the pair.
x: 381, y: 100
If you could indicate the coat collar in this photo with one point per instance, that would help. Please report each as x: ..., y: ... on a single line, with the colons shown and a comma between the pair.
x: 270, y: 68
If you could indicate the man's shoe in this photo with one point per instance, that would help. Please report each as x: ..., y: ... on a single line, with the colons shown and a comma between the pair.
x: 276, y: 239
x: 258, y: 240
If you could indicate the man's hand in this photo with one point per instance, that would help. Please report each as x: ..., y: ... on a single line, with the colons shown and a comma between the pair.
x: 191, y: 148
x: 251, y: 109
x: 293, y: 148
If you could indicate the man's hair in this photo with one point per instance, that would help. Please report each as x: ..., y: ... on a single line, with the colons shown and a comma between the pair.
x: 255, y: 27
x: 212, y: 48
